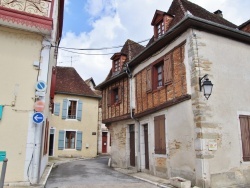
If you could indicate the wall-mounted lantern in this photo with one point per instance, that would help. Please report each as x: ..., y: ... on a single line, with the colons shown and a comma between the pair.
x: 206, y: 85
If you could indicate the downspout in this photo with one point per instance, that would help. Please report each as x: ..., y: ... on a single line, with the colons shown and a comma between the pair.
x: 130, y: 76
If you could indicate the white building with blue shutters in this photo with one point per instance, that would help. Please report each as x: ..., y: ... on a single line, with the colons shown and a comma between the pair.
x: 74, y: 122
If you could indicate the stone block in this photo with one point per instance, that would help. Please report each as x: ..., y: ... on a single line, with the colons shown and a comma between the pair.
x: 180, y: 182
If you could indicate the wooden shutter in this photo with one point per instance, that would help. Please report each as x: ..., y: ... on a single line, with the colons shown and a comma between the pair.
x: 56, y: 109
x: 79, y: 140
x: 149, y: 79
x: 79, y: 111
x: 65, y: 109
x: 168, y: 69
x: 245, y: 136
x: 160, y: 138
x: 120, y: 93
x: 61, y: 140
x: 109, y: 98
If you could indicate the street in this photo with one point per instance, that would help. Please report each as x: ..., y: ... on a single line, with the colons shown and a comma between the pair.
x: 91, y: 173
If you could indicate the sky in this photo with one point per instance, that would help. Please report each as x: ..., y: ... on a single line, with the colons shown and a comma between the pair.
x: 95, y: 24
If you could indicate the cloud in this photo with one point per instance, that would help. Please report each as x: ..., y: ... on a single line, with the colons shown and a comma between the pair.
x: 115, y: 21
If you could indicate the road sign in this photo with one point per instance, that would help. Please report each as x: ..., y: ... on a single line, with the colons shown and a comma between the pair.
x: 2, y: 155
x: 39, y: 106
x: 38, y: 117
x: 41, y: 86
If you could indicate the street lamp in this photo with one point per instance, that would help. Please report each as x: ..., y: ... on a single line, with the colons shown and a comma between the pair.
x: 206, y: 85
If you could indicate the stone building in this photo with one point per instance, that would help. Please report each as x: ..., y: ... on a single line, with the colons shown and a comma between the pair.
x: 154, y: 106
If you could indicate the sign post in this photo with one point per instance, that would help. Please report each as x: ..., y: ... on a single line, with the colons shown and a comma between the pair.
x: 4, y: 160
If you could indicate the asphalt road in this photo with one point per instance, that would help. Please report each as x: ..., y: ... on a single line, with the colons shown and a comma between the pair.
x: 91, y: 173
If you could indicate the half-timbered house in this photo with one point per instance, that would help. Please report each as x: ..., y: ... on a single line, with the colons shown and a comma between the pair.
x: 159, y: 119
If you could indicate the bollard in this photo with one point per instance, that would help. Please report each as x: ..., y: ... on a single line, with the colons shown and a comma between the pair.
x: 3, y: 172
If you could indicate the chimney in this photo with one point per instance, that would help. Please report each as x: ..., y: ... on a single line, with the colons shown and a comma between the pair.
x: 218, y: 13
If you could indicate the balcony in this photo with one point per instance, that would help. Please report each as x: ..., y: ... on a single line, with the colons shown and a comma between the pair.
x: 36, y: 7
x: 30, y: 15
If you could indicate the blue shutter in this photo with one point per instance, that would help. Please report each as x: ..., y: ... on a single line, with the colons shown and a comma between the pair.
x: 1, y: 111
x: 65, y: 109
x: 79, y: 111
x: 79, y: 140
x: 61, y: 140
x: 56, y: 109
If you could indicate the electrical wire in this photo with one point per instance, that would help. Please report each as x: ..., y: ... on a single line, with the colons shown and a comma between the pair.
x: 86, y: 53
x: 102, y: 48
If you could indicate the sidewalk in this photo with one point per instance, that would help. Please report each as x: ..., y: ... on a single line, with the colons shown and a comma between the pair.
x: 160, y: 182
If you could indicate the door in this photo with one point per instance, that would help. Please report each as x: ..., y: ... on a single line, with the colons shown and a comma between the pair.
x: 146, y: 146
x: 104, y: 142
x: 51, y: 142
x: 132, y: 144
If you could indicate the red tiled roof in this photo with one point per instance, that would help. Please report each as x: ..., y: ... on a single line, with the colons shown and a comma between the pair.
x: 179, y: 8
x: 131, y: 49
x: 68, y: 81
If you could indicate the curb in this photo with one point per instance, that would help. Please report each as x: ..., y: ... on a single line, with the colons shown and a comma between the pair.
x: 154, y: 183
x: 47, y: 176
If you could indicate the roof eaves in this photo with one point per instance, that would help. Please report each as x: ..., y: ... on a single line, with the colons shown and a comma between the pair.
x: 189, y: 21
x: 76, y: 94
x: 244, y: 24
x: 111, y: 80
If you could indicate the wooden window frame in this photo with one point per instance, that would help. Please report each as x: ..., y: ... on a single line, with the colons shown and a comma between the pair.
x: 245, y: 136
x: 70, y: 114
x: 160, y: 28
x: 114, y: 96
x: 69, y: 144
x: 155, y: 74
x: 116, y: 66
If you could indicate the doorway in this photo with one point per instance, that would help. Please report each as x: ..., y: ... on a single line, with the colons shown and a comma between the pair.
x: 51, y: 141
x: 104, y: 142
x: 132, y: 144
x: 146, y: 146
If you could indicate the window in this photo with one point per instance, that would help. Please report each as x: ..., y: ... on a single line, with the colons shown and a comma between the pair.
x: 114, y: 96
x: 70, y: 138
x: 116, y: 65
x: 158, y: 75
x: 160, y: 138
x: 72, y: 109
x: 160, y: 29
x: 245, y: 136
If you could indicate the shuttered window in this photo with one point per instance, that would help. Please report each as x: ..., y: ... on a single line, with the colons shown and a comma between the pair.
x: 245, y: 136
x: 158, y: 75
x: 72, y: 109
x: 61, y: 140
x: 115, y: 96
x: 56, y: 109
x: 160, y: 138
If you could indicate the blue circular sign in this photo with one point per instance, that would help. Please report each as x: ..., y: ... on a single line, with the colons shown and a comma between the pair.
x: 38, y: 117
x: 41, y: 86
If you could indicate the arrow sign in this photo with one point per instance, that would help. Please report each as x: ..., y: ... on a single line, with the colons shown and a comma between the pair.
x: 38, y: 117
x: 41, y: 86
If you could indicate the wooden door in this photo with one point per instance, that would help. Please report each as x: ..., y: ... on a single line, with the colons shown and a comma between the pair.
x: 104, y: 142
x: 146, y: 146
x: 51, y: 142
x: 132, y: 144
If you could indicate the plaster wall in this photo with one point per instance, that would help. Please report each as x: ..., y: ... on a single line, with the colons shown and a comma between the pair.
x: 17, y: 77
x: 87, y: 125
x: 227, y: 63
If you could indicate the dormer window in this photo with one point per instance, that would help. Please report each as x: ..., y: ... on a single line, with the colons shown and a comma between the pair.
x: 118, y: 60
x: 117, y: 65
x: 160, y: 29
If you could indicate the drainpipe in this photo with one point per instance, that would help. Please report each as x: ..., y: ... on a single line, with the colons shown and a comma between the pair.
x: 130, y: 76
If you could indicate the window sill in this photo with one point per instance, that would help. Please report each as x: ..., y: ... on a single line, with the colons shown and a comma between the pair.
x: 71, y: 120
